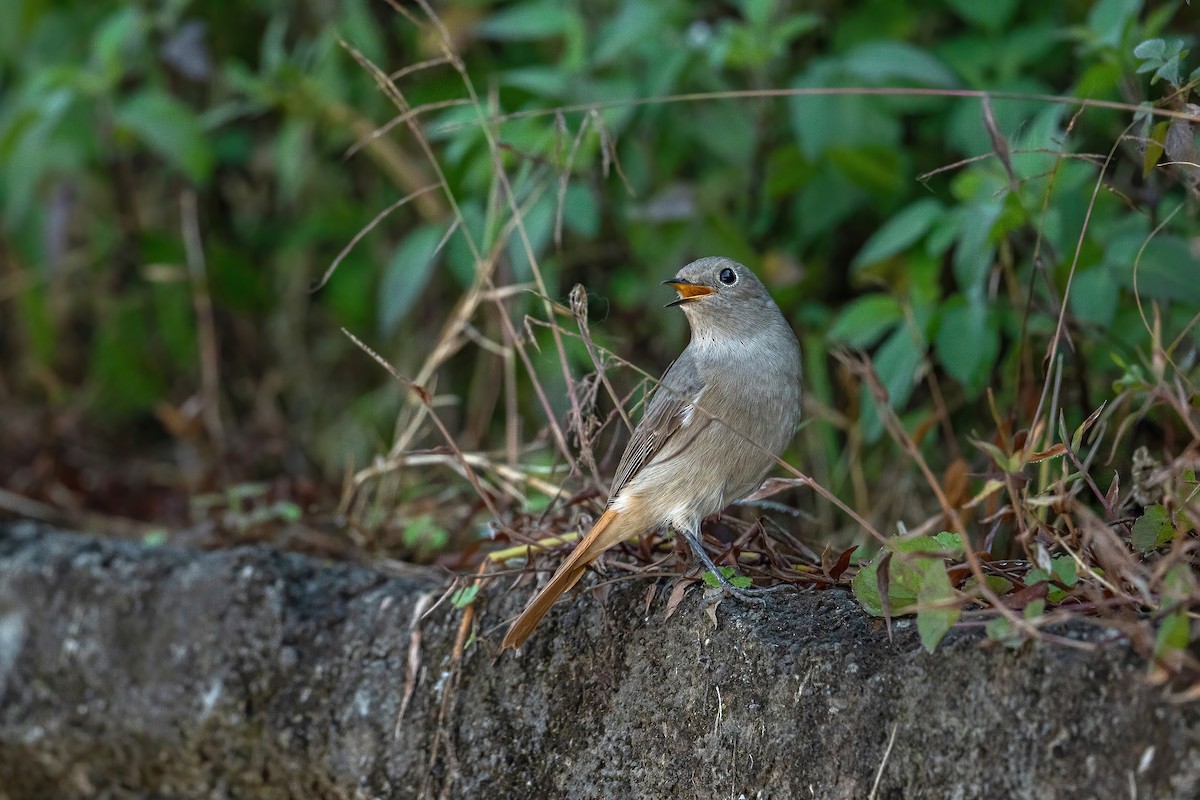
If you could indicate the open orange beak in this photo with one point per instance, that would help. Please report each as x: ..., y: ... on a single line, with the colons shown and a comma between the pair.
x: 687, y: 291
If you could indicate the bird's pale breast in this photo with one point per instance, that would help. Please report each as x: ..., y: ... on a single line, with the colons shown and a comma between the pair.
x: 740, y: 421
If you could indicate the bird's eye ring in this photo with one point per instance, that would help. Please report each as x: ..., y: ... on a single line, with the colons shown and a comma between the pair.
x: 728, y: 277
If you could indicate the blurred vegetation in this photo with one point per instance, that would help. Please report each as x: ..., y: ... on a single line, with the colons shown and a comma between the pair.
x: 1010, y: 265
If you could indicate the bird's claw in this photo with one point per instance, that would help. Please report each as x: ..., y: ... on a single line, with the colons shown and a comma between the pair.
x: 756, y: 596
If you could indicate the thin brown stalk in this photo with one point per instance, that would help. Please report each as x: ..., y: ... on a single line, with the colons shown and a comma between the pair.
x: 1060, y: 326
x: 210, y: 359
x: 423, y: 394
x: 851, y: 91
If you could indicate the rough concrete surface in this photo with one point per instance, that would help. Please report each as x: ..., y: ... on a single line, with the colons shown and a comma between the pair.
x: 155, y: 672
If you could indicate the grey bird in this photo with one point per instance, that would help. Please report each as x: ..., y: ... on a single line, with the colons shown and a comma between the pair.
x: 720, y: 416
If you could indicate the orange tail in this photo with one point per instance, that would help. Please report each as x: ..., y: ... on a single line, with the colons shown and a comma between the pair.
x: 611, y: 529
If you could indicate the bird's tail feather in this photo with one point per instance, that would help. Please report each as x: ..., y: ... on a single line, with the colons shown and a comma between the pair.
x: 611, y: 529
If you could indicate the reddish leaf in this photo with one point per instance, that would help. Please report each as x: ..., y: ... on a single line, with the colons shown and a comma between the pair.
x: 883, y: 582
x: 958, y: 574
x: 1110, y: 497
x: 1022, y: 597
x: 1051, y: 452
x: 676, y: 597
x: 842, y: 563
x: 651, y: 590
x: 954, y: 483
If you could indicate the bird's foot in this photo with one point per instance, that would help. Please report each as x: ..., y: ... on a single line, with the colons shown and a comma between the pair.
x: 750, y: 595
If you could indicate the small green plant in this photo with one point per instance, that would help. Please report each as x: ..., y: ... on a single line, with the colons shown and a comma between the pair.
x: 730, y: 574
x: 422, y: 535
x: 910, y: 573
x: 464, y: 595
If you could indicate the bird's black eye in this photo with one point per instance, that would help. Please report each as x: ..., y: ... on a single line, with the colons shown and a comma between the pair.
x: 728, y: 277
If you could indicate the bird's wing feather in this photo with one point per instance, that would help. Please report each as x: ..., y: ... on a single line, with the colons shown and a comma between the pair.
x: 670, y: 409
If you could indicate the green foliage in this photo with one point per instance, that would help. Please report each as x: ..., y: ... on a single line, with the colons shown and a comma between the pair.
x: 168, y: 128
x: 1062, y: 576
x: 173, y: 94
x: 422, y: 535
x: 730, y: 574
x: 911, y: 572
x: 464, y: 595
x: 1174, y: 635
x: 1153, y: 529
x: 953, y: 240
x: 1165, y: 59
x: 407, y: 274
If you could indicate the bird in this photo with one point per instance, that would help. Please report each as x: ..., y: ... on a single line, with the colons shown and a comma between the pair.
x: 713, y: 428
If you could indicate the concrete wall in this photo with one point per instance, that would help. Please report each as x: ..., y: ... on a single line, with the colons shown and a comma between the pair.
x: 129, y: 671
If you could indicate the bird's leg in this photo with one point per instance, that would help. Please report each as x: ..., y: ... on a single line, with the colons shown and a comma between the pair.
x: 745, y: 595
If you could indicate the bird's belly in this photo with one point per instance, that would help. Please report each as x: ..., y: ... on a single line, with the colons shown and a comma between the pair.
x: 702, y: 476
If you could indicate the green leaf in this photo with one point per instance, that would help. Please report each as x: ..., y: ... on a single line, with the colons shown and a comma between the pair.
x: 950, y: 543
x: 119, y: 34
x: 757, y: 12
x: 636, y: 22
x: 125, y: 379
x: 1035, y: 609
x: 1094, y: 297
x: 1173, y: 635
x: 906, y: 572
x: 549, y: 82
x: 358, y: 26
x: 865, y: 320
x: 1036, y: 575
x: 974, y: 253
x: 1163, y: 58
x: 464, y: 596
x: 889, y: 61
x: 287, y: 511
x: 730, y: 574
x: 896, y: 361
x: 1165, y: 271
x: 967, y: 344
x: 1151, y: 50
x: 1066, y: 570
x: 580, y: 211
x: 726, y: 132
x: 963, y: 130
x: 996, y: 583
x: 935, y: 588
x: 460, y: 260
x: 1108, y: 19
x: 829, y: 120
x: 539, y: 227
x: 991, y: 15
x: 999, y: 629
x: 826, y: 198
x: 879, y: 169
x: 527, y: 22
x: 899, y: 233
x: 1152, y: 529
x: 407, y: 274
x: 1155, y: 144
x: 170, y: 129
x: 155, y: 538
x: 1179, y: 583
x: 293, y: 157
x: 424, y: 534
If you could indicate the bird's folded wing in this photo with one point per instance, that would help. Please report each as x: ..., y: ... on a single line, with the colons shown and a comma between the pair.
x: 669, y: 424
